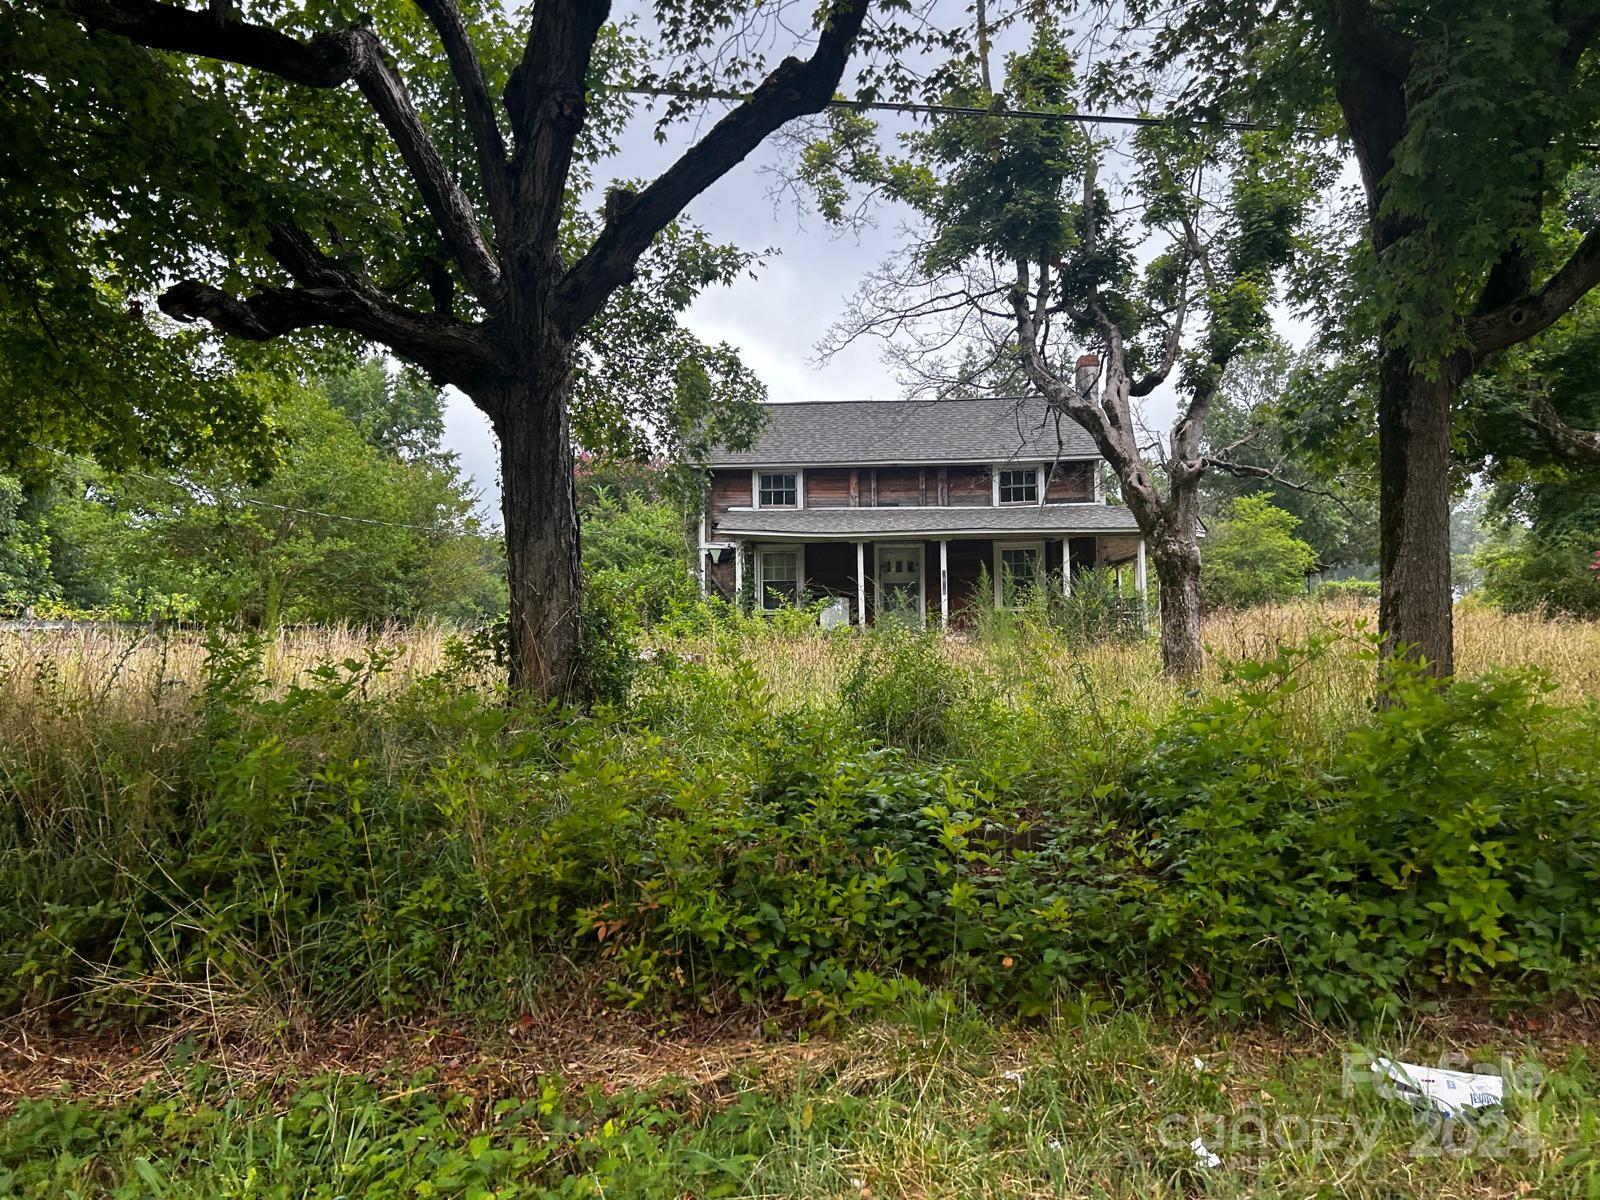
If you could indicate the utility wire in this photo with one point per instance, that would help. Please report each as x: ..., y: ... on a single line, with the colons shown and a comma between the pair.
x: 959, y: 110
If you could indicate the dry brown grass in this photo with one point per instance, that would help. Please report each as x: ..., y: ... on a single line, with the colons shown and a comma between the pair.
x: 125, y: 671
x: 120, y: 670
x: 812, y: 667
x: 115, y: 669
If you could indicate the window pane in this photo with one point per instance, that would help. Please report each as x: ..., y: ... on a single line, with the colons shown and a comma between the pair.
x: 780, y: 578
x: 779, y: 491
x: 1019, y: 487
x: 1019, y: 571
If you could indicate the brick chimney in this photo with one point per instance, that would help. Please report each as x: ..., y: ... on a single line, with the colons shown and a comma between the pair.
x: 1088, y: 372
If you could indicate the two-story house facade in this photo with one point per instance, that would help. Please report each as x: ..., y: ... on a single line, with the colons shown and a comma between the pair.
x: 908, y: 505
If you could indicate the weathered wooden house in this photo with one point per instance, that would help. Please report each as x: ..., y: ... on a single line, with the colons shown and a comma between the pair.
x: 905, y: 506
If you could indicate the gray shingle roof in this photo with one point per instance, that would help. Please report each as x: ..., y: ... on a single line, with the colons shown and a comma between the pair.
x: 976, y: 521
x: 851, y: 433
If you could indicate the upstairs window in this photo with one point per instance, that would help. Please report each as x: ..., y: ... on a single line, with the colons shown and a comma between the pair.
x: 1019, y: 486
x: 778, y: 491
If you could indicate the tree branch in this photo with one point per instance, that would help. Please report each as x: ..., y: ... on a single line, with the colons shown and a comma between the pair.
x: 330, y: 294
x: 1519, y: 320
x: 1578, y: 445
x: 1158, y: 375
x: 475, y: 102
x: 794, y: 89
x: 328, y: 60
x: 545, y: 100
x: 1211, y: 462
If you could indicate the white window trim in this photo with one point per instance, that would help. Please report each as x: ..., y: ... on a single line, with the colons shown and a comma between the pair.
x: 799, y: 474
x: 922, y: 575
x: 999, y: 571
x: 994, y: 485
x: 798, y: 549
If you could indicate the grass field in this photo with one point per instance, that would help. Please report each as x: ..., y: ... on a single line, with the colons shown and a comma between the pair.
x: 938, y: 1102
x: 125, y: 667
x: 207, y: 1058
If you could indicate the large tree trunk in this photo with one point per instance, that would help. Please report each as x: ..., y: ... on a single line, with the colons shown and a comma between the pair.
x: 1176, y: 558
x: 540, y: 506
x: 1415, y: 610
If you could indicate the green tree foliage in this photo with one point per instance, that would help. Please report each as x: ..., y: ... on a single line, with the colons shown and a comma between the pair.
x: 635, y: 546
x: 397, y: 412
x: 1541, y: 508
x: 24, y: 548
x: 1028, y: 252
x: 418, y: 176
x: 1335, y: 505
x: 1473, y: 124
x: 1253, y: 556
x: 340, y: 530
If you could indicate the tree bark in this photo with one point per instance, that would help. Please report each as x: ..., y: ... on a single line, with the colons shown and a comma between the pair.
x: 539, y: 504
x: 1415, y: 612
x: 1176, y: 559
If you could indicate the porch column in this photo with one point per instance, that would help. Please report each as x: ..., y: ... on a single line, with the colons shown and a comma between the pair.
x: 738, y: 575
x: 1139, y: 581
x: 1066, y: 566
x: 944, y: 582
x: 861, y: 584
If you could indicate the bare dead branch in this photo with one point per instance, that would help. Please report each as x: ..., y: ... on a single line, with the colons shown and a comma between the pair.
x: 1251, y: 470
x: 1567, y: 441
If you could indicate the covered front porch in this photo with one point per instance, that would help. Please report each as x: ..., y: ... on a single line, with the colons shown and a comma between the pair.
x: 916, y: 579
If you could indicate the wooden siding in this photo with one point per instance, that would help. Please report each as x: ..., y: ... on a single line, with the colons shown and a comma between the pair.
x: 899, y: 487
x: 971, y: 486
x: 1072, y: 481
x: 729, y: 489
x: 828, y: 487
x: 963, y: 486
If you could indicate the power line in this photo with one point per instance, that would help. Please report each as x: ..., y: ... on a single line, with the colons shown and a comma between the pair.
x: 961, y: 110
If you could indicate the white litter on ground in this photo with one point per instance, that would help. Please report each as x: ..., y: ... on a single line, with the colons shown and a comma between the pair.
x: 1204, y: 1154
x: 1450, y: 1093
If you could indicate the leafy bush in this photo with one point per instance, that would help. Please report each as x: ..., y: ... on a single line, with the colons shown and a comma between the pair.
x: 902, y: 688
x: 1551, y: 571
x: 340, y: 848
x: 1448, y: 839
x: 1252, y: 556
x: 1095, y: 612
x: 1347, y: 591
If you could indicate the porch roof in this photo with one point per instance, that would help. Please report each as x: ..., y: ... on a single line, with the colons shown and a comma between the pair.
x: 870, y: 523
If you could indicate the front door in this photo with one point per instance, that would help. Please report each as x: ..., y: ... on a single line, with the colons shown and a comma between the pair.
x: 900, y: 595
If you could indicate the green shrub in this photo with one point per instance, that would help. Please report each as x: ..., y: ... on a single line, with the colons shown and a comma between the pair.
x: 1252, y: 556
x: 1450, y: 839
x: 1096, y: 611
x: 338, y: 848
x: 1347, y: 591
x: 902, y: 688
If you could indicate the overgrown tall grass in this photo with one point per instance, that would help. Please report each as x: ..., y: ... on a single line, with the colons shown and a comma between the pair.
x: 125, y: 669
x: 774, y: 814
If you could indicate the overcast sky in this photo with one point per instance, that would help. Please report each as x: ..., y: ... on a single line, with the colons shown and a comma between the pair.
x: 776, y: 319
